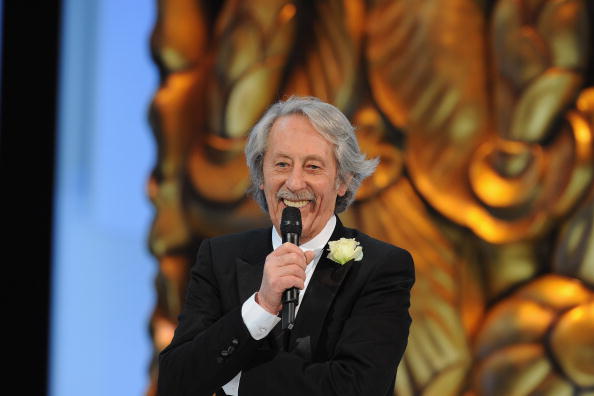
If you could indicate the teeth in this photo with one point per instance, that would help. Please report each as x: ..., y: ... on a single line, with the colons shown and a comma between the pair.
x: 295, y: 204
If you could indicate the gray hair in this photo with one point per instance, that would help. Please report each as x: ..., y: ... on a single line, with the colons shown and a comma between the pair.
x: 353, y: 168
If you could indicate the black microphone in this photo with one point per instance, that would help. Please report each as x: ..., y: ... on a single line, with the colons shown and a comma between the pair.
x: 290, y: 228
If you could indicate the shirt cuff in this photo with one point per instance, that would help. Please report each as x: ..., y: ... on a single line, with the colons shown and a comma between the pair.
x: 258, y: 321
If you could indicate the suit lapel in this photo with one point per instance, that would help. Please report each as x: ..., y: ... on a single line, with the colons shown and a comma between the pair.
x: 250, y: 264
x: 324, y: 284
x: 319, y: 296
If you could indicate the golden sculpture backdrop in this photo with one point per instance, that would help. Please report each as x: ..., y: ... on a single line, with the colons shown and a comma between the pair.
x: 482, y: 113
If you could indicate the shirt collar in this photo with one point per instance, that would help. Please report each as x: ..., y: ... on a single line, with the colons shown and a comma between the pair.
x: 316, y: 244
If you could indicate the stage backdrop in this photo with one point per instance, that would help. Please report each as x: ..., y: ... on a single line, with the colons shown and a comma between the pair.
x: 482, y: 113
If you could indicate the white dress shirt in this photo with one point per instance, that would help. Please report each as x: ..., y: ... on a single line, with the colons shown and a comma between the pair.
x: 259, y: 321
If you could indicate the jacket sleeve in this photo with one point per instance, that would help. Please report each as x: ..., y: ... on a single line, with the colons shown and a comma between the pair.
x: 208, y: 347
x: 368, y: 350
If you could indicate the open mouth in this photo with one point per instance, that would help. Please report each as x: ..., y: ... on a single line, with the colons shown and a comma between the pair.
x: 295, y: 204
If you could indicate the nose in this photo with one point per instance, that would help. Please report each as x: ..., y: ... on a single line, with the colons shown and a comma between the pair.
x: 296, y: 181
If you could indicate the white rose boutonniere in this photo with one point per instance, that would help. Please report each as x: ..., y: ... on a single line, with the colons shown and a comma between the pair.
x: 345, y: 250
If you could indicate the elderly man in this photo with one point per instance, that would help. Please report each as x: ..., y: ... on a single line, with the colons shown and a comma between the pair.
x: 352, y: 320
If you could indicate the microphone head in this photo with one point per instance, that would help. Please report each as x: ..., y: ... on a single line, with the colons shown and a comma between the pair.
x: 291, y: 221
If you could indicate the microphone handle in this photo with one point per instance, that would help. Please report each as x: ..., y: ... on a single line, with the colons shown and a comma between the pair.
x: 291, y: 295
x: 291, y: 237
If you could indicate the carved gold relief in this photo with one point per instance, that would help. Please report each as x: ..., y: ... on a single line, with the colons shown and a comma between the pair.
x: 483, y: 117
x: 539, y: 340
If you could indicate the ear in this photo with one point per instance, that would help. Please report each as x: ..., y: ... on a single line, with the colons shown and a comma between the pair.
x: 343, y: 186
x: 261, y: 186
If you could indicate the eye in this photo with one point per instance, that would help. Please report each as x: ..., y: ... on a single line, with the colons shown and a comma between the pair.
x: 313, y: 167
x: 281, y: 164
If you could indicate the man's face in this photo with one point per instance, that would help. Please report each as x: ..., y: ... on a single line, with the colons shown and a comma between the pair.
x: 300, y: 170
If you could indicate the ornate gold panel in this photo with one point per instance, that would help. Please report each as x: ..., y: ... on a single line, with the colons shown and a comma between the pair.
x: 482, y: 113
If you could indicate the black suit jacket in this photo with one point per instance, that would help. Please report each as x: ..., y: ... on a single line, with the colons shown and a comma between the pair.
x: 349, y: 335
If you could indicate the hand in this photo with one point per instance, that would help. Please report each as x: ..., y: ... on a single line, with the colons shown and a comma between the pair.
x: 284, y: 268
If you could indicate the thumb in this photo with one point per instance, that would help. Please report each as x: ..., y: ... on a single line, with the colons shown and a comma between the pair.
x: 309, y: 255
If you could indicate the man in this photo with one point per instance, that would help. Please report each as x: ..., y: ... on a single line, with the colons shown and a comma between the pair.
x: 352, y: 320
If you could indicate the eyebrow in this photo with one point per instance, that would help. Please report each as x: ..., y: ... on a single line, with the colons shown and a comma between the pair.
x: 311, y: 157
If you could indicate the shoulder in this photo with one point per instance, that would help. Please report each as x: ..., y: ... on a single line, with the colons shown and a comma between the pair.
x: 378, y: 253
x: 249, y: 245
x: 221, y: 252
x: 378, y: 245
x: 240, y: 238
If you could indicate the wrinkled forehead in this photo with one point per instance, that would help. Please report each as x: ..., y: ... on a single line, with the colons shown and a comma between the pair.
x: 296, y: 134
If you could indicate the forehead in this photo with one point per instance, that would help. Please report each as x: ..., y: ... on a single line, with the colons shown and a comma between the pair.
x: 294, y: 135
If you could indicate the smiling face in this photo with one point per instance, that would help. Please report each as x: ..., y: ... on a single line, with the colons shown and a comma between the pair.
x: 300, y: 170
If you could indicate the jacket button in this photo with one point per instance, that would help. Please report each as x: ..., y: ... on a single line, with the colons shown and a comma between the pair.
x: 235, y: 341
x: 219, y: 360
x: 224, y: 353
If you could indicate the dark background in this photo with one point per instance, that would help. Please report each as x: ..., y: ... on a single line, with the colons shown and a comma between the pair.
x: 30, y: 53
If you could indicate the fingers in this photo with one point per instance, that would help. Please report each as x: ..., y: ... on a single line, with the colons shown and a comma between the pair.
x: 291, y: 253
x: 309, y: 255
x: 298, y: 259
x: 284, y: 268
x: 286, y: 282
x: 286, y: 247
x: 283, y: 276
x: 292, y: 271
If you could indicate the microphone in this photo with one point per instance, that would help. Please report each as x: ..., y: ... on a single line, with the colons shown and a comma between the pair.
x: 290, y: 228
